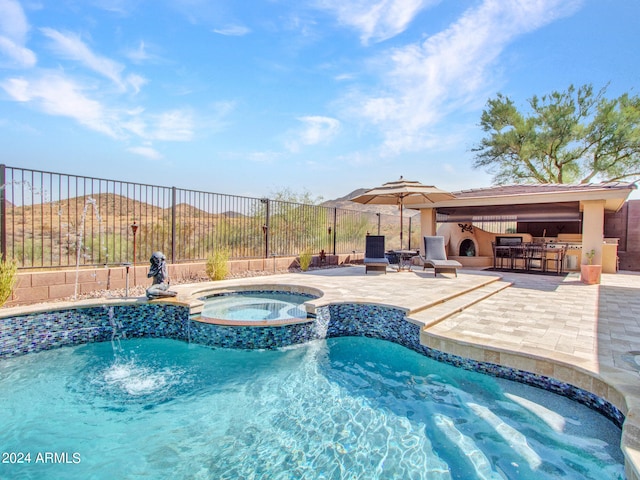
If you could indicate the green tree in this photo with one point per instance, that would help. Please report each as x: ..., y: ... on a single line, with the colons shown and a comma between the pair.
x: 576, y: 136
x: 286, y: 194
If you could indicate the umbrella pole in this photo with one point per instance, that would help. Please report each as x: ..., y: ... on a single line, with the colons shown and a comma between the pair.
x: 400, y: 224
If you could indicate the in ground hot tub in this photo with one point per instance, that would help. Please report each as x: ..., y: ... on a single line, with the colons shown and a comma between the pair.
x: 256, y: 307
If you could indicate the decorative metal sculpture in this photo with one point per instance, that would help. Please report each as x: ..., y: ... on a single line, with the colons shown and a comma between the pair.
x: 158, y: 270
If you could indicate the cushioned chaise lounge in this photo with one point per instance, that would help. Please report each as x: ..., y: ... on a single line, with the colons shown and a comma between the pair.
x: 435, y: 256
x: 374, y: 258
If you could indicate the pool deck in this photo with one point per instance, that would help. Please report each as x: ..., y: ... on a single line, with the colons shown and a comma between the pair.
x: 585, y: 335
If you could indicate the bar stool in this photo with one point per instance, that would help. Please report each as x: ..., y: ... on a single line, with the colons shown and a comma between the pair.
x: 536, y: 259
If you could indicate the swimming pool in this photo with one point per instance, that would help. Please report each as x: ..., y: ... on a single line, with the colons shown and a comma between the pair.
x: 348, y: 407
x: 256, y: 307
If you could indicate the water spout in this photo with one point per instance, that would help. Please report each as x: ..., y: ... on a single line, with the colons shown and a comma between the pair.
x: 321, y: 323
x: 89, y: 202
x: 117, y: 332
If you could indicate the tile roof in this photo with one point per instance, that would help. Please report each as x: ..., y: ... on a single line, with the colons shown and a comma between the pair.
x: 526, y: 189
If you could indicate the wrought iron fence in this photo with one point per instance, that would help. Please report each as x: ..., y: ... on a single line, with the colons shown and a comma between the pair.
x: 50, y: 220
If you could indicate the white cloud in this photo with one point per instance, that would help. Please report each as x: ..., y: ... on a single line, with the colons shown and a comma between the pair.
x: 70, y: 46
x: 344, y: 77
x: 136, y: 81
x: 122, y: 7
x: 170, y: 126
x: 263, y: 157
x: 13, y: 22
x: 56, y: 95
x: 233, y: 30
x: 136, y: 123
x: 424, y: 82
x: 13, y: 35
x: 174, y: 125
x: 376, y: 20
x: 139, y: 54
x: 147, y: 152
x: 315, y: 130
x: 18, y: 55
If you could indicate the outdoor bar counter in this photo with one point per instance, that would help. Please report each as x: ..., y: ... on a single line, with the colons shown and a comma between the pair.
x: 574, y: 256
x: 565, y: 246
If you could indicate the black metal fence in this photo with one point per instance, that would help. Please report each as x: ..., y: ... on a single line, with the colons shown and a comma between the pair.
x: 51, y: 220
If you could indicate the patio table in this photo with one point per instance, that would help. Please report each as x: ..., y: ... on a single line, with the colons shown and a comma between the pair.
x: 405, y: 257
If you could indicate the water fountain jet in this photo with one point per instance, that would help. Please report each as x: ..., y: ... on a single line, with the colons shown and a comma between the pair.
x: 89, y: 202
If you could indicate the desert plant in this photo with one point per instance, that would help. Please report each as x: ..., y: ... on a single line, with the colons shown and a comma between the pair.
x: 590, y: 256
x: 305, y: 260
x: 217, y: 267
x: 8, y: 278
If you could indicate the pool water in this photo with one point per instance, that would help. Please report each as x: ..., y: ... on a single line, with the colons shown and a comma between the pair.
x: 256, y: 306
x: 342, y: 408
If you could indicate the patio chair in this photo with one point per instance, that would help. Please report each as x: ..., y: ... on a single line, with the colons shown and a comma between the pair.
x: 435, y: 256
x: 374, y: 258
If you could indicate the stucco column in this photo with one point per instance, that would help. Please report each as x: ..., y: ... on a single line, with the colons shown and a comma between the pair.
x: 592, y: 229
x: 427, y: 223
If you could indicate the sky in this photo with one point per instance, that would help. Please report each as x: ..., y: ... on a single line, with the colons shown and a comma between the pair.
x: 256, y: 97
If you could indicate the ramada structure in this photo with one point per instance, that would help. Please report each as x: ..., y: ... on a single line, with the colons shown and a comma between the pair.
x: 573, y: 215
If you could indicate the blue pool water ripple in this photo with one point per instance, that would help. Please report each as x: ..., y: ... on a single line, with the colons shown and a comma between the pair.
x: 335, y: 409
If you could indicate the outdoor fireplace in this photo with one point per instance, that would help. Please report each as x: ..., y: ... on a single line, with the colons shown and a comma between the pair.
x: 469, y: 245
x: 467, y: 248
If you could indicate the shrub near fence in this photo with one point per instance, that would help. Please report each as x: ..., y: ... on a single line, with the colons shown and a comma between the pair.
x: 54, y: 220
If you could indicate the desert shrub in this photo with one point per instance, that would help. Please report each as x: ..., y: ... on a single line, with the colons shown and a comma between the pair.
x: 305, y: 260
x: 217, y: 267
x: 8, y: 278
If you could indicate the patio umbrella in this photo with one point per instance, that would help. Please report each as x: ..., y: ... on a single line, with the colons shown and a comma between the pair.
x: 403, y: 192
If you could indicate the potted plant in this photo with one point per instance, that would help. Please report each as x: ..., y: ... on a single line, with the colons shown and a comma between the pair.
x: 590, y: 273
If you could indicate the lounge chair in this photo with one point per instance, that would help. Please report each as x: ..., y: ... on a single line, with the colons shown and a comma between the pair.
x: 374, y: 258
x: 435, y: 256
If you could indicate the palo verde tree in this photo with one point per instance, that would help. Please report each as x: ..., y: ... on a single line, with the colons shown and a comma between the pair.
x: 576, y: 136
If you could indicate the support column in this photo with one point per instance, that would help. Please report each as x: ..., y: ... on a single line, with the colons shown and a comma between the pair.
x: 592, y: 229
x: 427, y: 223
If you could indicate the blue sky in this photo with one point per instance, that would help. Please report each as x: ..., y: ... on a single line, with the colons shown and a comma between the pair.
x: 325, y: 96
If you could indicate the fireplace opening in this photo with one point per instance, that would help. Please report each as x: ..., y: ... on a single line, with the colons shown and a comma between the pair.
x: 467, y: 248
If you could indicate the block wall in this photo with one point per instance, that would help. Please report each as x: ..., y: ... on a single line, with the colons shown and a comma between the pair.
x: 625, y: 225
x: 37, y: 287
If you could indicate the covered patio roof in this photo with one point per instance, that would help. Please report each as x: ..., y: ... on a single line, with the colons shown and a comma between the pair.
x: 530, y: 203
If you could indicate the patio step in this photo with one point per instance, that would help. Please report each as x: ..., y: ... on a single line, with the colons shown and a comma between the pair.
x: 436, y: 313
